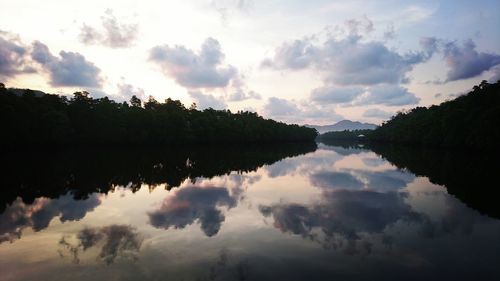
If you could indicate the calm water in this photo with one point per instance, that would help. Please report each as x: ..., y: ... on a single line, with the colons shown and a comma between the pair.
x: 294, y: 212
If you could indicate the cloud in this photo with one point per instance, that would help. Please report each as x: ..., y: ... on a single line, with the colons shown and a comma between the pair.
x: 496, y: 74
x: 351, y: 65
x: 240, y: 95
x: 39, y: 214
x: 288, y: 111
x: 294, y: 55
x: 204, y: 101
x: 358, y: 26
x: 13, y: 56
x: 202, y: 69
x: 338, y: 180
x: 344, y: 217
x: 229, y: 8
x: 377, y: 113
x: 347, y: 61
x: 115, y: 241
x: 280, y: 107
x: 190, y: 204
x: 390, y: 32
x: 390, y: 180
x: 126, y: 91
x: 430, y: 45
x: 391, y: 95
x: 70, y: 69
x: 239, y: 91
x: 115, y: 34
x: 465, y: 61
x: 334, y: 95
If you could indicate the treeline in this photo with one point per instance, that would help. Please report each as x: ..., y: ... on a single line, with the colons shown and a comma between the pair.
x: 28, y: 118
x: 471, y: 120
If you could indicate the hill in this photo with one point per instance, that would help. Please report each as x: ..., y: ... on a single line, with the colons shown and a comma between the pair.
x: 343, y: 126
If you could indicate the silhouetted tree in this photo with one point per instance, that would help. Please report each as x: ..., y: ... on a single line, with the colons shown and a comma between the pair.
x: 471, y: 120
x: 135, y: 101
x: 53, y: 119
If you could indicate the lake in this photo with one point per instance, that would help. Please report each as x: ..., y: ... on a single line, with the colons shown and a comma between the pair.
x: 320, y: 211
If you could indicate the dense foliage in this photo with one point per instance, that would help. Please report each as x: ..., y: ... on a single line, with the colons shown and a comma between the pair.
x: 471, y: 120
x: 54, y: 119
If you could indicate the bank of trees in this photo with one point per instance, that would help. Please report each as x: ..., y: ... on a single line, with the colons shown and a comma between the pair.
x: 470, y: 120
x: 53, y: 119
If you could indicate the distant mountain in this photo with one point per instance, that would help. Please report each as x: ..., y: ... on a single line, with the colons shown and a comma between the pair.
x: 342, y: 126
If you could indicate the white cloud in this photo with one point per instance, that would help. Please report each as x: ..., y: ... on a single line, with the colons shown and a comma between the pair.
x: 202, y: 69
x: 114, y: 35
x: 298, y: 112
x: 391, y: 95
x: 204, y: 101
x: 334, y: 95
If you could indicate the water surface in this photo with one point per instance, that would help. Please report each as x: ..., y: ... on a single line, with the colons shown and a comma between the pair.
x: 282, y: 212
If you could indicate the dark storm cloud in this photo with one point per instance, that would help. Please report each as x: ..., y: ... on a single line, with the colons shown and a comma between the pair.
x: 38, y: 215
x: 13, y: 56
x: 114, y: 34
x: 70, y: 69
x: 190, y: 204
x: 115, y: 241
x: 202, y: 69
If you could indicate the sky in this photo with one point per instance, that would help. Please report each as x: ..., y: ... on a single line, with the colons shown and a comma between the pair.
x: 305, y: 62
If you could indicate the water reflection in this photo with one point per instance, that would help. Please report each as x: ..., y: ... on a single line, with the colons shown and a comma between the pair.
x: 193, y: 203
x: 31, y: 175
x: 38, y: 215
x: 322, y: 212
x: 468, y: 175
x: 114, y: 241
x: 344, y: 219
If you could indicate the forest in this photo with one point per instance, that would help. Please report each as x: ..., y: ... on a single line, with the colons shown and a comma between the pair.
x: 48, y: 119
x: 470, y: 120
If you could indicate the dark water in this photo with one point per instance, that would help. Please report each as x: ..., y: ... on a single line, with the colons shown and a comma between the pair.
x: 282, y: 212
